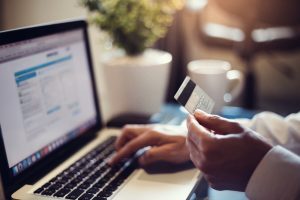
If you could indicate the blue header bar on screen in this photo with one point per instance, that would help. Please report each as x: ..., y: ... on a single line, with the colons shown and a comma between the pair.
x: 33, y: 69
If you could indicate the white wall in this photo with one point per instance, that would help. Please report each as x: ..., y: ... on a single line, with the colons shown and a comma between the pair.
x: 1, y: 14
x: 18, y: 13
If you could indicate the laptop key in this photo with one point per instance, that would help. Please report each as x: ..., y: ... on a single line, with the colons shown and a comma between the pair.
x: 89, y: 181
x: 55, y: 186
x: 83, y: 186
x: 70, y: 185
x: 46, y: 185
x: 93, y: 190
x: 75, y: 194
x: 99, y: 184
x: 76, y: 180
x: 111, y: 187
x: 39, y: 190
x: 86, y: 196
x: 48, y: 192
x: 60, y: 182
x: 117, y: 182
x: 65, y: 179
x: 61, y: 193
x: 104, y: 194
x: 81, y: 176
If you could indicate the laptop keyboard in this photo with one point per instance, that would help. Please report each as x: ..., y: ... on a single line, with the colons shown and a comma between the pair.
x: 90, y: 177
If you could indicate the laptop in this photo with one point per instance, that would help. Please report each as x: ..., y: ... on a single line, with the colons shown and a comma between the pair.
x: 53, y: 144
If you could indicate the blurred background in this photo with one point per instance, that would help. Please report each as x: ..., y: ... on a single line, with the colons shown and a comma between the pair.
x: 257, y: 38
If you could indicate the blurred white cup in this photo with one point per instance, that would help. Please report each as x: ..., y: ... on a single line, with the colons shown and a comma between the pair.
x: 216, y: 78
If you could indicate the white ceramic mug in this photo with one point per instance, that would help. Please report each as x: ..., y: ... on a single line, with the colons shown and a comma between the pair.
x: 215, y: 77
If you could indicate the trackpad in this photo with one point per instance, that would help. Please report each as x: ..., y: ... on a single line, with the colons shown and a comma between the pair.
x: 180, y: 178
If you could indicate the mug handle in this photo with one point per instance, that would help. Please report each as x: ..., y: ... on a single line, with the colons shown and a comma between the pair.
x: 234, y: 76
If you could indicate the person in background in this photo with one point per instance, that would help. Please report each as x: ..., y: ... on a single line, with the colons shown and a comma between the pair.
x: 258, y: 156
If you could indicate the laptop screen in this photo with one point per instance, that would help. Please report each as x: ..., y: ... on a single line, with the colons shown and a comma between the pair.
x: 47, y: 96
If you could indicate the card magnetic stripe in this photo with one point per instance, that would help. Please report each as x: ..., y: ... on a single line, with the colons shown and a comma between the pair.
x: 186, y: 93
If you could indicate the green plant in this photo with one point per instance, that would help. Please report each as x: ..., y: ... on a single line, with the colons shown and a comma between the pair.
x: 133, y: 24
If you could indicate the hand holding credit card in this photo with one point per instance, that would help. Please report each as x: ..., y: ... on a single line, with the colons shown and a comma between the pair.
x: 192, y: 97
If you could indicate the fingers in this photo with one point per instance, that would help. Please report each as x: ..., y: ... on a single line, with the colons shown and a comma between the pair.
x: 217, y: 123
x: 129, y: 132
x: 195, y: 155
x: 197, y: 135
x: 196, y: 132
x: 202, y: 145
x: 143, y: 140
x: 215, y: 182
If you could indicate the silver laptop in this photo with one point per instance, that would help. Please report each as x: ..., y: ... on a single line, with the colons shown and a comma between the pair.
x: 52, y: 143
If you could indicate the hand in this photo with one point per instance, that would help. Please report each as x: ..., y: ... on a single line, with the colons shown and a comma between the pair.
x: 226, y: 152
x: 163, y: 147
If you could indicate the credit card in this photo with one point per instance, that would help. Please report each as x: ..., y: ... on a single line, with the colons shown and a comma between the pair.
x: 192, y: 97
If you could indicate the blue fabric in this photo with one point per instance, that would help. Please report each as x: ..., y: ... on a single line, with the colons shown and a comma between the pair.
x: 174, y: 114
x: 230, y: 112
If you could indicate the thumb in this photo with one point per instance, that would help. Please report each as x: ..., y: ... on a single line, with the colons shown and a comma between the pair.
x: 216, y: 123
x: 155, y: 154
